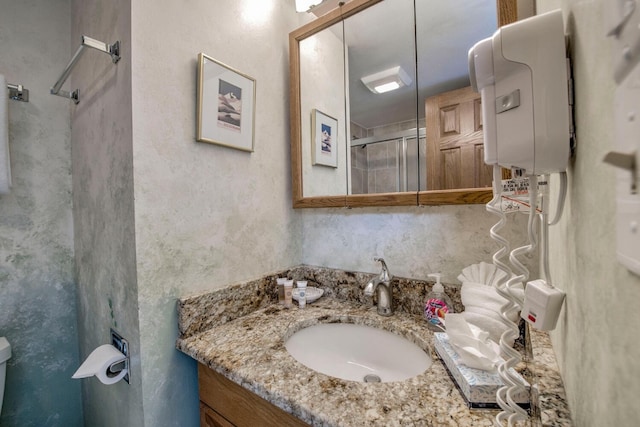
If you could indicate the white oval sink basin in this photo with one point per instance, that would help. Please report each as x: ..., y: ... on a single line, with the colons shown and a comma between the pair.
x: 357, y: 353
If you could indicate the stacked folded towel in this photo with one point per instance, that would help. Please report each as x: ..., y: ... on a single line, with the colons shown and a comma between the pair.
x: 483, y: 304
x: 473, y: 345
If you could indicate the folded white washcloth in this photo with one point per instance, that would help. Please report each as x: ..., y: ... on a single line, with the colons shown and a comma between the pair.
x: 492, y: 312
x: 477, y: 294
x: 485, y: 273
x: 471, y: 343
x: 494, y: 327
x: 474, y: 296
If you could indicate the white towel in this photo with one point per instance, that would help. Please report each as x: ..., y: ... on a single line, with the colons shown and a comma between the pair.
x: 5, y: 161
x: 494, y: 327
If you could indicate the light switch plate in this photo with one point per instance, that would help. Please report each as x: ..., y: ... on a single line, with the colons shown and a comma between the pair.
x: 627, y: 140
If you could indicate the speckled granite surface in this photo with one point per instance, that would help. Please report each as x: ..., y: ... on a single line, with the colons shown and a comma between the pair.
x: 548, y: 389
x: 201, y: 312
x: 240, y: 331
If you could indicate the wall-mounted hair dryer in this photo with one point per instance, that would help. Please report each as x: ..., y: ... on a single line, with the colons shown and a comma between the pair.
x: 522, y: 75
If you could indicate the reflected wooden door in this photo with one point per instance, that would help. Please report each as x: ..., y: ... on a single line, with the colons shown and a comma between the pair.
x: 455, y: 151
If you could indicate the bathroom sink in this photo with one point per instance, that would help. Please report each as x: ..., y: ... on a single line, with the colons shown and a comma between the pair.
x: 357, y: 353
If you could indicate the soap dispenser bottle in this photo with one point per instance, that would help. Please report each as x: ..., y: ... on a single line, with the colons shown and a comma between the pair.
x: 437, y: 305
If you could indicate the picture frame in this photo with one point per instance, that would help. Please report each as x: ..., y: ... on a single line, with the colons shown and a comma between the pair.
x: 225, y: 105
x: 324, y: 139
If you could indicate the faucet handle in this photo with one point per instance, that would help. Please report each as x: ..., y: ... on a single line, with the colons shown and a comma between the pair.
x: 384, y: 275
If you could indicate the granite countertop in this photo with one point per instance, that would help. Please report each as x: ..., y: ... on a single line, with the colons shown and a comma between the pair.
x: 243, y: 339
x: 250, y: 351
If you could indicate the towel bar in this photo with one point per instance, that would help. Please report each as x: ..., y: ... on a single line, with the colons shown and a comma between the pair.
x: 18, y: 92
x: 112, y: 49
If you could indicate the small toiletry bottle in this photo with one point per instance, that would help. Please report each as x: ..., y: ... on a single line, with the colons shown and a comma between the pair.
x: 288, y: 290
x: 436, y: 305
x: 280, y: 281
x: 302, y: 293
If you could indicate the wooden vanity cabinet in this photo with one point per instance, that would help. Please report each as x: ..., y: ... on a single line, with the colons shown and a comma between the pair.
x: 224, y: 403
x: 210, y: 418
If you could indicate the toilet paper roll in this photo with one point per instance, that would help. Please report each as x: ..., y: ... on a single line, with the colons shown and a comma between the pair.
x: 100, y: 362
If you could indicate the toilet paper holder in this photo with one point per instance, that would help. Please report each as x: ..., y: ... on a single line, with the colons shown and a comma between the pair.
x: 109, y: 363
x: 123, y: 346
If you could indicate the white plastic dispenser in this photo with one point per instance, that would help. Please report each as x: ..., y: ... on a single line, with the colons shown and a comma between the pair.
x: 522, y: 75
x: 437, y: 305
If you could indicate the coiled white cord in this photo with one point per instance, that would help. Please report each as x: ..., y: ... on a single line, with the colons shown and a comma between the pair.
x: 505, y: 395
x: 495, y: 207
x: 511, y: 411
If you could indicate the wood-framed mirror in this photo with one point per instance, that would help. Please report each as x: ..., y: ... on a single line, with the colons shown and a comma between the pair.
x: 331, y: 183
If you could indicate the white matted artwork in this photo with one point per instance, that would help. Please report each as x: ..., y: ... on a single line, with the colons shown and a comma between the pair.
x: 226, y: 105
x: 324, y: 139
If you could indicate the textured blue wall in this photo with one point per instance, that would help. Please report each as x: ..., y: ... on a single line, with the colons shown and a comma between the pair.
x: 37, y: 290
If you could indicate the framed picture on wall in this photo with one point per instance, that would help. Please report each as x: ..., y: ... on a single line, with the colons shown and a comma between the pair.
x: 324, y: 139
x: 226, y: 105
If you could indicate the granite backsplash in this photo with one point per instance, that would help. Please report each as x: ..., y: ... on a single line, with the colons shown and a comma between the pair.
x: 243, y: 298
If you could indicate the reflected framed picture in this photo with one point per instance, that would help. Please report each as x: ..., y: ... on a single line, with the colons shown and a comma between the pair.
x: 226, y: 105
x: 324, y: 139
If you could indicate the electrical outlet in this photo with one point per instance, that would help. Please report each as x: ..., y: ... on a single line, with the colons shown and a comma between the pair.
x: 123, y: 347
x: 542, y: 305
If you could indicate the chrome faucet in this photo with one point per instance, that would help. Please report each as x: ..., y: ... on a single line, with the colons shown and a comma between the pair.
x: 381, y: 285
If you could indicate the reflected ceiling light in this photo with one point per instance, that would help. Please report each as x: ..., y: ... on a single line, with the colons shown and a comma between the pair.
x: 387, y: 80
x: 306, y: 5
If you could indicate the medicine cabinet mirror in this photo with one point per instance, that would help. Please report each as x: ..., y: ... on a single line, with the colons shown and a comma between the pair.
x: 351, y: 147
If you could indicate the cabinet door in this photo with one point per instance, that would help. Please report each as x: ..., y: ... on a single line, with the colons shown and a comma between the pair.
x: 455, y: 150
x: 210, y: 418
x: 239, y: 406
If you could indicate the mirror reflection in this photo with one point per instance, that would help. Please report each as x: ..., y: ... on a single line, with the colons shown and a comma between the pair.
x: 381, y: 51
x: 385, y: 141
x: 445, y: 32
x: 322, y: 74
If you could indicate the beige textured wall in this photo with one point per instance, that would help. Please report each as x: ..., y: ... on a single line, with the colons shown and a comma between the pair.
x: 596, y: 341
x: 206, y: 215
x: 414, y: 241
x: 103, y: 203
x: 37, y: 288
